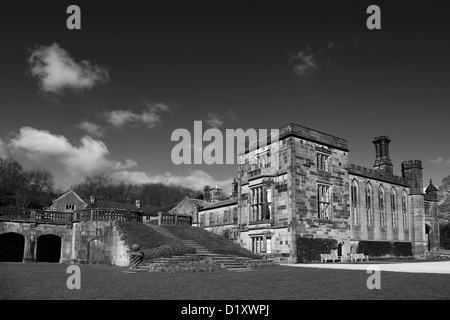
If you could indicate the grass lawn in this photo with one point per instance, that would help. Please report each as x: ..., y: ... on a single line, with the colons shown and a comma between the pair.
x: 48, y: 281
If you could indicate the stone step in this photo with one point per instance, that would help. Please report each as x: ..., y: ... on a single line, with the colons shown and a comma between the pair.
x: 240, y: 269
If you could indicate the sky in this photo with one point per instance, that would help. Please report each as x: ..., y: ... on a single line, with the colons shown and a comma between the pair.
x: 107, y: 97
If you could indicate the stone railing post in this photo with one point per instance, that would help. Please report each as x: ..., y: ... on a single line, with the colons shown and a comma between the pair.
x: 33, y: 216
x: 159, y: 218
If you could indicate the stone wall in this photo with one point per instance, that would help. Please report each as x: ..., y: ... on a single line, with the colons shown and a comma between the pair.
x: 81, y: 242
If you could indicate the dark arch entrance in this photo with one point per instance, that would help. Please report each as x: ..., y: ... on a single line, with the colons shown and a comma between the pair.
x: 339, y: 249
x: 428, y: 231
x: 48, y: 248
x: 11, y: 247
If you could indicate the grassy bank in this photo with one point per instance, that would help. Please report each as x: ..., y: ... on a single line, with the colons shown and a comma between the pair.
x: 211, y: 241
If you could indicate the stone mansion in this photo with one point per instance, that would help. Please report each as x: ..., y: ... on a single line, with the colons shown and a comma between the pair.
x: 309, y: 189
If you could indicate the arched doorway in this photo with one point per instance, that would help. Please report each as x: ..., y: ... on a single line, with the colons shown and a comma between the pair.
x: 48, y: 248
x: 428, y: 231
x: 339, y: 249
x: 95, y: 251
x: 12, y: 246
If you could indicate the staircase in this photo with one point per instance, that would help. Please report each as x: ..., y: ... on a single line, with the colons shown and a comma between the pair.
x: 229, y: 262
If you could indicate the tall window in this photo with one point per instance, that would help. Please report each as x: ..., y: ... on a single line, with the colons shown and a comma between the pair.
x: 260, y: 201
x: 323, y: 162
x: 263, y: 159
x: 211, y: 219
x: 381, y: 207
x: 202, y: 220
x: 394, y: 208
x: 404, y: 211
x: 225, y: 216
x: 369, y: 209
x: 354, y: 196
x: 324, y: 199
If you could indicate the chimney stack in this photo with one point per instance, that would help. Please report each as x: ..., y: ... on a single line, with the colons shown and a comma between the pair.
x: 92, y: 200
x: 383, y: 163
x: 138, y: 203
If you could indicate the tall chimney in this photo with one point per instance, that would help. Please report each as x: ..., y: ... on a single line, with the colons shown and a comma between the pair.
x: 138, y: 203
x: 92, y: 199
x: 383, y: 163
x: 207, y: 193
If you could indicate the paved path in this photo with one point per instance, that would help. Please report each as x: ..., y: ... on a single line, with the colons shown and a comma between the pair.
x: 416, y: 267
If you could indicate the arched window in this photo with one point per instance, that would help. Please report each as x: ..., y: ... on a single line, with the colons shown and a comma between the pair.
x: 404, y: 211
x: 354, y: 199
x: 381, y: 207
x: 369, y: 210
x: 394, y: 208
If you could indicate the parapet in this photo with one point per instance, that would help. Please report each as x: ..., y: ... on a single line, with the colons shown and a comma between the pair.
x: 313, y: 135
x: 374, y: 174
x: 411, y: 164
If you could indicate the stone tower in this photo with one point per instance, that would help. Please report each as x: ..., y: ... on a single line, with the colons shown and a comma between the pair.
x: 431, y: 217
x: 412, y: 175
x: 383, y: 163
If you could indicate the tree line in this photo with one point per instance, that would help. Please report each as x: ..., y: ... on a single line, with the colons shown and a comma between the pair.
x: 35, y: 188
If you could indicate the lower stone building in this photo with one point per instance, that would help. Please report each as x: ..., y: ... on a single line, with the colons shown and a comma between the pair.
x: 302, y: 185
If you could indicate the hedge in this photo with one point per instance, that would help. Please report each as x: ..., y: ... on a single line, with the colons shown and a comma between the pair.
x: 309, y: 249
x: 385, y: 248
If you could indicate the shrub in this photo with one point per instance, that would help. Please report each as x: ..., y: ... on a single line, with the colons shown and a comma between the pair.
x: 309, y: 249
x: 445, y: 235
x: 385, y: 248
x: 402, y: 249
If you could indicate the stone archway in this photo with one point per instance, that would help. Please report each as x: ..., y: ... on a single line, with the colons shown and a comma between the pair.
x: 12, y: 246
x: 48, y: 248
x: 95, y: 251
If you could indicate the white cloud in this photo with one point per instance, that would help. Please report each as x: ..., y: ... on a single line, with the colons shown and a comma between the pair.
x: 56, y: 70
x: 196, y: 179
x: 306, y: 62
x: 91, y: 128
x: 150, y: 116
x: 440, y: 160
x: 2, y: 149
x: 89, y: 157
x: 214, y: 121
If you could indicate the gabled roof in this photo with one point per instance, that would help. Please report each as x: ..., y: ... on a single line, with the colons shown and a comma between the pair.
x: 70, y: 191
x: 198, y: 202
x: 224, y: 203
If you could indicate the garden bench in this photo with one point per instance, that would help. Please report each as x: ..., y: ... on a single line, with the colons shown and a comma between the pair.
x: 335, y: 257
x: 329, y: 257
x: 324, y: 258
x: 358, y: 256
